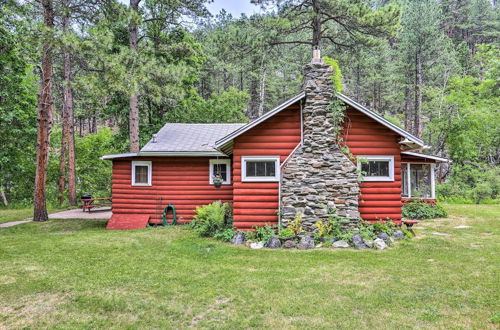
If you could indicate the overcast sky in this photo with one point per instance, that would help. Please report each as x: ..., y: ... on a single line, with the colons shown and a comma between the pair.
x: 235, y: 7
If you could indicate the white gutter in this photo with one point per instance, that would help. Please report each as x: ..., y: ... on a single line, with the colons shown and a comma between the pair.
x: 436, y: 158
x: 166, y: 154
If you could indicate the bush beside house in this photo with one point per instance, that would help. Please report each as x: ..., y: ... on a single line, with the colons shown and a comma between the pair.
x: 215, y: 220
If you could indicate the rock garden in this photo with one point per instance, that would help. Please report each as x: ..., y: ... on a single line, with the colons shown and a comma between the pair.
x: 336, y: 232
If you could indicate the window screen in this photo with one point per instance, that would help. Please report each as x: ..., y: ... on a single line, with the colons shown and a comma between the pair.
x: 375, y: 168
x: 260, y: 168
x: 420, y: 180
x: 141, y: 174
x: 220, y: 170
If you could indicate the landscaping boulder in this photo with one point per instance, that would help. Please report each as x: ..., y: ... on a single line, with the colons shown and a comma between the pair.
x: 238, y: 239
x: 398, y: 235
x: 306, y: 243
x: 369, y: 243
x: 380, y: 244
x: 256, y: 246
x: 340, y: 244
x: 248, y: 243
x: 273, y: 243
x: 358, y: 242
x: 289, y: 244
x: 385, y: 237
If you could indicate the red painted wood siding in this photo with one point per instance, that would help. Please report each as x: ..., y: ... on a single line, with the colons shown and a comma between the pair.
x: 365, y: 136
x: 181, y: 181
x: 256, y: 203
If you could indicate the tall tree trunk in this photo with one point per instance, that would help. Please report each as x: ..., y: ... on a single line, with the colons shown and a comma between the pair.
x: 262, y: 87
x: 417, y: 129
x: 316, y: 25
x: 408, y: 111
x: 62, y: 159
x: 69, y: 124
x: 133, y: 100
x: 4, y: 198
x: 44, y: 119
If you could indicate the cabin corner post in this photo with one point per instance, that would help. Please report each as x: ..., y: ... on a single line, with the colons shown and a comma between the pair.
x: 318, y: 177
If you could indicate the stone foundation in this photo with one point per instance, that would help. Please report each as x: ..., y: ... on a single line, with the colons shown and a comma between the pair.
x: 318, y: 177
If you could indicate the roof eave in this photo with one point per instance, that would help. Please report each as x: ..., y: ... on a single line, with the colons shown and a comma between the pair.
x: 380, y: 119
x: 115, y: 156
x: 436, y: 158
x: 179, y: 153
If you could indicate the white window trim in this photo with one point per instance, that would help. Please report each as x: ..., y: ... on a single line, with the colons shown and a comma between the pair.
x: 220, y: 161
x: 408, y: 180
x: 375, y: 158
x: 142, y: 163
x: 275, y: 178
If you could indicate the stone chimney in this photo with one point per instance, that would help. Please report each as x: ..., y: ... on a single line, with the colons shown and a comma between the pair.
x: 318, y: 178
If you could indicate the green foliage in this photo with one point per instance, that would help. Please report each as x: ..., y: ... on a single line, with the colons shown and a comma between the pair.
x: 386, y: 227
x: 212, y: 219
x: 286, y: 233
x: 417, y: 210
x: 264, y: 233
x: 225, y: 235
x: 227, y: 107
x: 296, y: 224
x: 336, y: 73
x: 471, y: 183
x: 324, y: 228
x: 18, y: 99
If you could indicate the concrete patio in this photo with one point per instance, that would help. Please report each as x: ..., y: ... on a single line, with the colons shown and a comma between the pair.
x: 96, y: 213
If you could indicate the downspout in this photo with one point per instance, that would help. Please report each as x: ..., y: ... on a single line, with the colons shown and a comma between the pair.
x: 286, y: 161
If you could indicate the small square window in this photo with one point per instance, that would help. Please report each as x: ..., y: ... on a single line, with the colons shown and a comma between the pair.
x: 141, y: 173
x: 376, y: 168
x: 221, y: 168
x: 260, y: 168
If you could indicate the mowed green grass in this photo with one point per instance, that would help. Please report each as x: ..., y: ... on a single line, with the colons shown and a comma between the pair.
x: 8, y: 214
x: 75, y: 274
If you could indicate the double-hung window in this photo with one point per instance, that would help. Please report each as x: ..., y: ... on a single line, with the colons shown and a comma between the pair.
x: 376, y: 168
x: 220, y: 168
x: 141, y: 173
x: 260, y: 168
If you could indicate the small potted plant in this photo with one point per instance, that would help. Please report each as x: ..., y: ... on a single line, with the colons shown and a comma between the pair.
x: 217, y: 180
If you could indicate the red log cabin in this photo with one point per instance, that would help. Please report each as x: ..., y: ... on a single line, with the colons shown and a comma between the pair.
x: 178, y: 166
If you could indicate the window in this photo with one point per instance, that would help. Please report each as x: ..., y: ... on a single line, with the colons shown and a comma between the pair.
x: 376, y: 168
x: 141, y: 173
x: 260, y: 168
x: 222, y: 168
x: 418, y: 180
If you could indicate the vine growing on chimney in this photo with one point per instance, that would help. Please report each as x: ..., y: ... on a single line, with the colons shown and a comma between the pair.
x: 337, y: 107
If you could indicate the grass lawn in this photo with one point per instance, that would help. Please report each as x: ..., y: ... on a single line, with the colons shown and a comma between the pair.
x: 74, y: 274
x: 8, y: 215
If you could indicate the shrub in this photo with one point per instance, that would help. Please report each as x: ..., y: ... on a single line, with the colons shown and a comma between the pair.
x: 286, y: 233
x: 324, y: 228
x: 225, y: 235
x: 263, y: 234
x: 296, y: 225
x: 386, y: 227
x: 211, y: 219
x: 421, y: 210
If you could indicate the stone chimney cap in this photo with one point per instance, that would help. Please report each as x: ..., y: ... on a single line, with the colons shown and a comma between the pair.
x: 316, y: 59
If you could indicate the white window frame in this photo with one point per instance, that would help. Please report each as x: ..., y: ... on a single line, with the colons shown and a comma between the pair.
x: 213, y: 162
x: 408, y: 180
x: 275, y: 178
x: 150, y: 170
x: 389, y: 178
